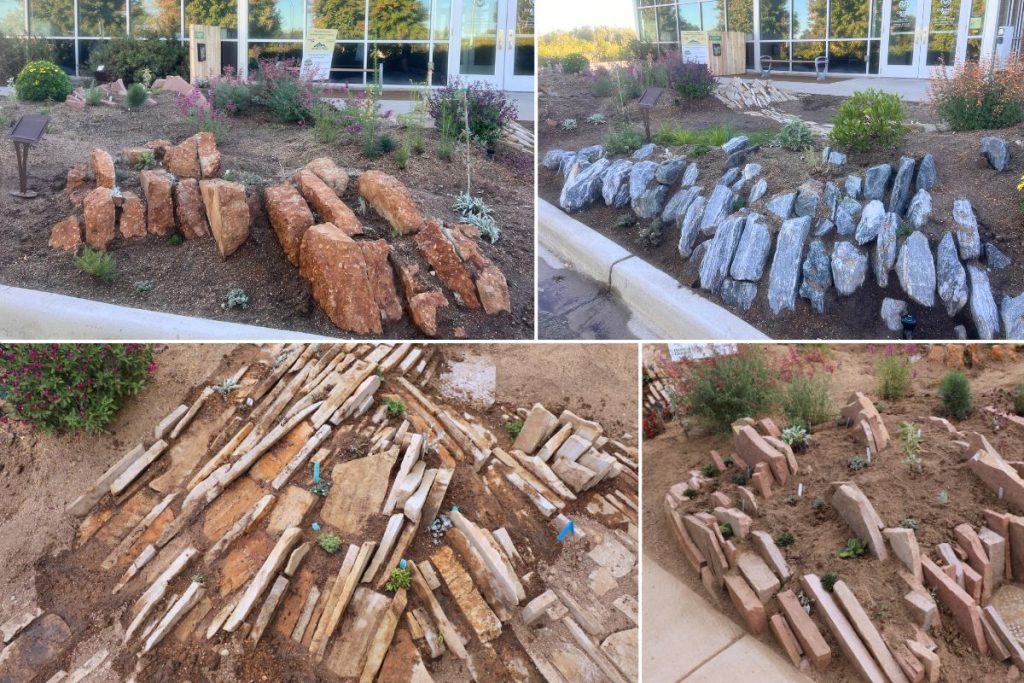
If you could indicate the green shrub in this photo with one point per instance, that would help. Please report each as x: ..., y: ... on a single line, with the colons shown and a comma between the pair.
x: 99, y: 264
x: 233, y: 97
x: 726, y: 529
x: 869, y: 120
x: 709, y: 471
x: 795, y: 136
x: 854, y: 548
x: 856, y: 463
x: 330, y: 542
x: 400, y: 579
x: 690, y: 80
x: 131, y: 58
x: 396, y: 406
x: 17, y: 51
x: 514, y: 427
x: 910, y: 523
x: 722, y: 389
x: 713, y: 136
x: 623, y: 140
x: 807, y: 401
x: 490, y: 110
x: 603, y: 86
x: 894, y: 376
x: 829, y: 581
x: 956, y: 394
x: 136, y: 96
x: 289, y: 98
x: 976, y: 96
x: 1018, y: 400
x: 575, y: 63
x: 93, y: 96
x: 785, y: 539
x: 40, y: 81
x: 691, y: 493
x: 59, y: 387
x: 402, y: 157
x: 236, y: 298
x: 796, y: 437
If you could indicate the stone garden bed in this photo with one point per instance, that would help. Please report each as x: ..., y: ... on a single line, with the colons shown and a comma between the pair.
x: 202, y: 542
x: 815, y: 245
x: 166, y: 261
x: 935, y: 595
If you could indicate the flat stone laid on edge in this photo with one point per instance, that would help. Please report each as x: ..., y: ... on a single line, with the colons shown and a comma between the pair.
x: 746, y: 603
x: 982, y: 304
x: 965, y: 610
x: 951, y: 276
x: 752, y: 251
x: 858, y: 513
x: 807, y: 634
x: 915, y: 268
x: 843, y: 631
x: 785, y: 271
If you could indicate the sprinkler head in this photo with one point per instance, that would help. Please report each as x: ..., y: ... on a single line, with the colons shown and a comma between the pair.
x: 909, y: 324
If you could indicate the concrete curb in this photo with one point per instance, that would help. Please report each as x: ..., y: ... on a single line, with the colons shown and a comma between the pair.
x: 32, y: 314
x: 665, y: 306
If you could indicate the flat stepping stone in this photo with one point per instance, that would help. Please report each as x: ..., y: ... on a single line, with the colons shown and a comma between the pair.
x: 358, y: 492
x: 37, y: 647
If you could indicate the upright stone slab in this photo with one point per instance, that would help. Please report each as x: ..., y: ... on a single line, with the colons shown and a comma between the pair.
x: 966, y: 230
x: 856, y: 510
x: 807, y: 634
x: 901, y: 191
x: 228, y: 213
x: 982, y: 304
x: 915, y: 268
x: 719, y: 205
x: 870, y: 222
x: 583, y: 187
x: 537, y: 427
x: 849, y: 268
x: 876, y: 181
x: 746, y: 603
x: 759, y: 575
x: 868, y: 632
x: 752, y: 251
x: 843, y: 631
x: 771, y: 554
x: 753, y: 449
x: 689, y: 227
x: 715, y: 267
x: 951, y: 276
x: 905, y: 548
x: 817, y: 276
x: 965, y: 610
x: 785, y: 271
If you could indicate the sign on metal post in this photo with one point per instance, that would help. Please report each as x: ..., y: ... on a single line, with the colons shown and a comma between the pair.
x: 26, y: 132
x: 647, y: 102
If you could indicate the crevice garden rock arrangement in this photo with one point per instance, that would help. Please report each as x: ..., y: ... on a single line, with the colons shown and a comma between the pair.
x: 353, y: 280
x: 207, y: 529
x: 749, y: 567
x: 829, y: 237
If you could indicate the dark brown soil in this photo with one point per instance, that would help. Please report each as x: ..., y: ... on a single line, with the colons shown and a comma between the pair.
x: 962, y: 173
x: 895, y: 491
x: 191, y: 279
x: 822, y: 109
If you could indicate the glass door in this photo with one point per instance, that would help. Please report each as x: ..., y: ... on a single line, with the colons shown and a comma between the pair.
x: 940, y: 43
x: 901, y: 21
x: 919, y: 36
x: 479, y: 54
x: 519, y: 46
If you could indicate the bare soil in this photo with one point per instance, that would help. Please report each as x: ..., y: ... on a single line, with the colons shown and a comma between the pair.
x: 962, y: 173
x: 896, y: 492
x: 191, y: 279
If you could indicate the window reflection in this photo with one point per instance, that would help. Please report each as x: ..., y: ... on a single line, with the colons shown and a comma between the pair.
x: 276, y: 19
x: 222, y: 13
x: 12, y: 17
x: 156, y: 17
x: 399, y: 19
x: 101, y: 18
x: 774, y: 19
x: 347, y: 16
x: 53, y: 18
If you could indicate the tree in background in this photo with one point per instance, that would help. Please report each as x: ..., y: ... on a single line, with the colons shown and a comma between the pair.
x: 598, y: 44
x: 391, y: 19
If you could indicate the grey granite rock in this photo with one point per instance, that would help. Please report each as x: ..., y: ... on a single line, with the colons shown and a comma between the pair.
x: 757, y: 191
x: 738, y: 186
x: 808, y: 198
x: 849, y: 267
x: 615, y: 186
x: 851, y: 206
x: 583, y: 188
x: 823, y: 227
x: 689, y: 228
x: 892, y: 311
x: 735, y: 144
x: 967, y: 236
x: 995, y: 258
x: 670, y: 171
x: 751, y: 171
x: 885, y: 249
x: 645, y: 151
x: 834, y: 157
x: 997, y: 152
x: 920, y: 209
x: 832, y: 197
x: 738, y: 294
x: 982, y: 304
x: 853, y: 185
x: 715, y: 267
x: 640, y: 177
x: 870, y: 222
x: 697, y: 257
x: 652, y: 201
x: 785, y: 271
x: 915, y: 268
x: 729, y: 177
x: 1013, y: 316
x: 950, y: 275
x: 876, y: 181
x: 752, y: 251
x: 846, y: 222
x: 900, y: 197
x: 781, y: 205
x: 553, y: 159
x: 926, y: 173
x: 690, y: 175
x: 592, y: 153
x: 718, y: 207
x: 817, y: 276
x: 676, y: 207
x: 737, y: 159
x: 960, y: 331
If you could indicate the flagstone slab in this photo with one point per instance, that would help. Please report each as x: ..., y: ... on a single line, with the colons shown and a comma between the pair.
x: 358, y: 492
x: 964, y: 608
x: 759, y: 575
x: 294, y: 602
x: 244, y: 560
x: 38, y: 645
x: 868, y: 632
x: 229, y: 507
x: 843, y: 631
x: 460, y: 585
x: 293, y: 504
x: 858, y: 513
x: 274, y: 460
x: 357, y: 629
x: 127, y: 517
x: 187, y: 451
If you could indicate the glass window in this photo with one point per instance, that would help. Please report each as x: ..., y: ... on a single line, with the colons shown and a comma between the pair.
x: 274, y: 52
x: 155, y: 17
x: 711, y: 16
x: 276, y: 19
x: 215, y: 13
x: 347, y: 56
x: 404, y: 64
x: 479, y: 38
x: 806, y: 52
x: 809, y: 18
x: 101, y: 18
x: 12, y: 17
x: 874, y: 50
x: 849, y: 19
x: 525, y: 47
x: 689, y: 17
x: 53, y: 18
x: 667, y: 25
x: 775, y: 19
x: 648, y: 26
x: 876, y: 19
x: 442, y: 19
x: 348, y: 16
x: 848, y: 57
x: 400, y: 19
x: 440, y: 64
x: 740, y: 16
x: 65, y: 54
x: 229, y: 54
x: 779, y: 52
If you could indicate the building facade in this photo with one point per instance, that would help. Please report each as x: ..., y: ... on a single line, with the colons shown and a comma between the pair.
x: 897, y: 38
x: 482, y: 40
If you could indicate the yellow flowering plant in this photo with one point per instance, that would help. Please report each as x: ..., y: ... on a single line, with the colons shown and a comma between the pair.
x: 42, y: 80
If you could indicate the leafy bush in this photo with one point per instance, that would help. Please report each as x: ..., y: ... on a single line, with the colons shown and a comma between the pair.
x: 712, y: 137
x: 72, y: 386
x: 807, y: 401
x: 396, y: 406
x: 514, y: 427
x: 893, y: 374
x: 232, y: 96
x: 99, y: 264
x: 910, y: 439
x: 828, y: 581
x: 854, y: 548
x: 691, y: 492
x: 976, y: 96
x: 722, y: 389
x: 40, y: 81
x: 624, y: 140
x: 956, y: 394
x: 796, y: 437
x: 868, y: 120
x: 136, y: 96
x: 1018, y: 400
x: 709, y: 471
x: 690, y: 80
x: 910, y: 523
x: 795, y: 136
x: 568, y: 124
x: 402, y: 156
x: 93, y: 96
x: 130, y: 58
x: 785, y: 539
x: 575, y: 63
x: 144, y: 161
x: 726, y: 529
x: 289, y: 98
x: 330, y: 542
x: 489, y: 108
x: 400, y: 579
x: 487, y: 226
x: 17, y: 51
x: 597, y: 119
x: 603, y: 85
x: 326, y: 123
x: 202, y: 116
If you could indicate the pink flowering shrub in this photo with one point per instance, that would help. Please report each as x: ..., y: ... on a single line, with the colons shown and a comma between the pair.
x: 58, y: 387
x: 281, y: 90
x: 201, y: 114
x: 978, y: 96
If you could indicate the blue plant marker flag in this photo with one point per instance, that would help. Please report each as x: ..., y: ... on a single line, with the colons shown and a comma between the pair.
x: 455, y: 508
x: 316, y: 527
x: 569, y: 529
x: 402, y: 564
x: 316, y: 472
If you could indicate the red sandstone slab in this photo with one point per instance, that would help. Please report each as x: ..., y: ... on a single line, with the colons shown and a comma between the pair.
x: 754, y: 449
x: 913, y: 669
x: 843, y: 631
x: 806, y: 631
x: 868, y: 632
x: 746, y: 603
x: 689, y: 548
x: 787, y: 641
x: 964, y: 608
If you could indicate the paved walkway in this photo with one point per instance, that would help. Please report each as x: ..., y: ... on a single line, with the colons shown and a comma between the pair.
x: 686, y: 639
x: 910, y: 89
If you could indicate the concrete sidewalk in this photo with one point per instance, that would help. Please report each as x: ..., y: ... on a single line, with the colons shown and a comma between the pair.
x: 687, y: 639
x: 910, y: 89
